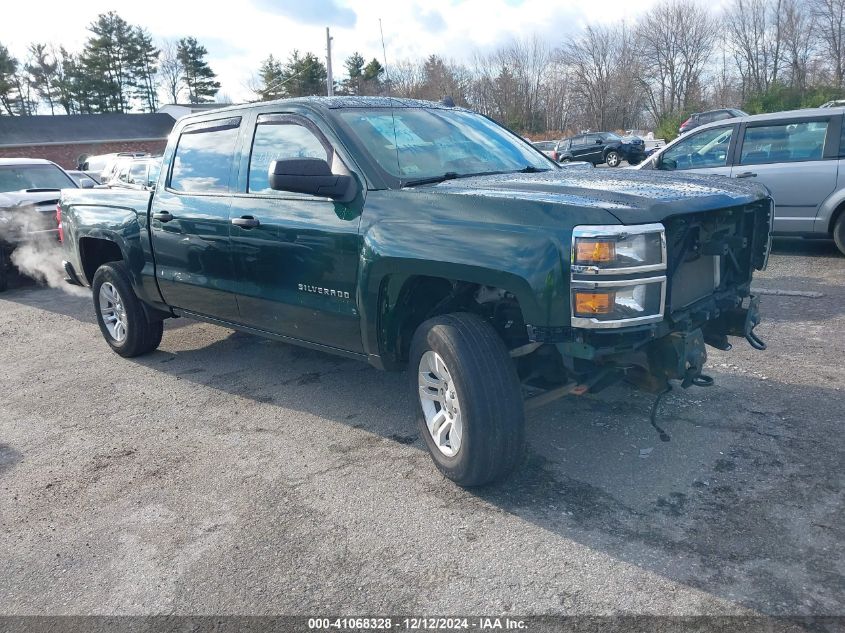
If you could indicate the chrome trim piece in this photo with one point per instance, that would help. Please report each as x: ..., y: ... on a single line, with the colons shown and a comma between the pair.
x: 591, y: 323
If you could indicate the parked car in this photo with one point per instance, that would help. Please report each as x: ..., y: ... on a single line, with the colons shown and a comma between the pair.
x: 137, y: 173
x: 29, y: 192
x: 601, y: 147
x: 836, y: 103
x: 413, y: 235
x: 798, y: 155
x: 83, y: 179
x: 549, y: 148
x: 106, y: 165
x: 697, y: 119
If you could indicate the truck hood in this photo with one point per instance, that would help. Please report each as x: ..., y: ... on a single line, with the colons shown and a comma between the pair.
x: 633, y: 197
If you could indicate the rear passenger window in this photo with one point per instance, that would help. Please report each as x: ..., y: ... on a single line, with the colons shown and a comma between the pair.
x: 784, y: 143
x: 204, y: 157
x: 279, y: 137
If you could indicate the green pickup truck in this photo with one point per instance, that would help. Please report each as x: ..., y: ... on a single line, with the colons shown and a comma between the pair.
x: 410, y: 234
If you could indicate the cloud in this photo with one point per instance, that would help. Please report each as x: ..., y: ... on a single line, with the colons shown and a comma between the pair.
x: 432, y: 21
x: 321, y: 12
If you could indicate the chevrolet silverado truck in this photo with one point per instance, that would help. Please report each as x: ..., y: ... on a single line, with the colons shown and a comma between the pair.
x: 410, y: 234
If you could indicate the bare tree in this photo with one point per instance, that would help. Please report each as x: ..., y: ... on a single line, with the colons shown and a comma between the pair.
x: 592, y: 59
x: 830, y: 18
x: 677, y: 40
x: 170, y: 70
x: 756, y: 35
x: 799, y: 27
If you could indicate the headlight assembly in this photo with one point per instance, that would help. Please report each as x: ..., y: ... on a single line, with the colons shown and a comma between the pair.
x: 618, y: 275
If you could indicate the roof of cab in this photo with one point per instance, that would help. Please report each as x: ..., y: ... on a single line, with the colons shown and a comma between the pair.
x: 325, y: 103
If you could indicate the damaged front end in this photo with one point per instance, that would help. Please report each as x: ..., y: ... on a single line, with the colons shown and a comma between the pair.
x: 647, y: 300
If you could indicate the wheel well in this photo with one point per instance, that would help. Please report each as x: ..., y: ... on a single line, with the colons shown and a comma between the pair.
x: 95, y: 252
x: 833, y: 218
x: 423, y: 297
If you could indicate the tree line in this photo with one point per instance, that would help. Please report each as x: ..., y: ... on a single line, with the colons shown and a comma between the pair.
x: 678, y: 57
x: 119, y: 69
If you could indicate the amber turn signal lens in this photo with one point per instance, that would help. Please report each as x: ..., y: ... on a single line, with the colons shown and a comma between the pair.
x: 594, y: 251
x: 590, y: 303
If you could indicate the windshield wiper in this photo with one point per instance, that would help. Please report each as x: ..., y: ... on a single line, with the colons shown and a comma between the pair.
x: 449, y: 175
x: 530, y: 169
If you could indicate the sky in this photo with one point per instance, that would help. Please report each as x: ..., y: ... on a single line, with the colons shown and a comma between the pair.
x: 238, y: 35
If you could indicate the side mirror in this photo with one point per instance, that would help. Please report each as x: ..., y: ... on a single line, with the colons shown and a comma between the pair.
x: 669, y: 164
x: 86, y: 183
x: 598, y: 141
x: 311, y: 176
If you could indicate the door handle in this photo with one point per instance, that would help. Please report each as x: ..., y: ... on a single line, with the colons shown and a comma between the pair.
x: 246, y: 222
x: 162, y: 216
x: 746, y: 174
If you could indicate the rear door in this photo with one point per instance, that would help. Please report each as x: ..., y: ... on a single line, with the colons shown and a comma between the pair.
x: 797, y: 160
x: 190, y: 221
x: 594, y: 148
x: 705, y: 151
x: 295, y: 255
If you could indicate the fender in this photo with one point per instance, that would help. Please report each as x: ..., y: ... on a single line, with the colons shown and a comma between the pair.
x: 827, y: 212
x: 127, y: 228
x: 524, y: 261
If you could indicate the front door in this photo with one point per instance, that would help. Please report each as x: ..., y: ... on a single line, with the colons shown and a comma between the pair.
x: 295, y: 255
x: 190, y: 222
x: 789, y: 158
x: 706, y: 151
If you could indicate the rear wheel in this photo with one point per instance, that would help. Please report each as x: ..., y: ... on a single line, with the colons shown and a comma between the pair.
x: 471, y: 410
x: 839, y: 233
x: 566, y: 160
x: 613, y: 159
x: 120, y: 315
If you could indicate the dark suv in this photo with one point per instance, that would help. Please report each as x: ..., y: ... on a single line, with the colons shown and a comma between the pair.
x: 700, y: 118
x: 602, y: 147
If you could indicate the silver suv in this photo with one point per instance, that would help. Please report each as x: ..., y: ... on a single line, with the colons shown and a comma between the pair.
x: 798, y: 155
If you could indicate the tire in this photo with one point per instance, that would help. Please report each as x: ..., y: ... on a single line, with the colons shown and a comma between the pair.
x: 839, y: 233
x: 482, y: 398
x: 613, y: 159
x: 566, y: 160
x: 115, y: 303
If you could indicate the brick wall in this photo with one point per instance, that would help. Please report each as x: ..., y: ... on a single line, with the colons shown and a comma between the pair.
x: 67, y: 155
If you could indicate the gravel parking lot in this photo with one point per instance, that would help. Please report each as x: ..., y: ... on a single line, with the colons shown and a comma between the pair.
x: 229, y: 474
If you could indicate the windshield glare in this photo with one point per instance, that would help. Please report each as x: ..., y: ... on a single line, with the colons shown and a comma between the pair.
x: 21, y: 177
x: 419, y: 143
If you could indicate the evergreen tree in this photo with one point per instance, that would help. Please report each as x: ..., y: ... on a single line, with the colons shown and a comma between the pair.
x: 145, y: 70
x: 43, y: 70
x: 109, y: 59
x: 197, y: 75
x: 371, y: 76
x: 304, y: 75
x: 354, y: 69
x: 271, y: 78
x: 8, y: 71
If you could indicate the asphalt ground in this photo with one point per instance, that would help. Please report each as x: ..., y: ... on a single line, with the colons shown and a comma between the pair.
x: 226, y: 474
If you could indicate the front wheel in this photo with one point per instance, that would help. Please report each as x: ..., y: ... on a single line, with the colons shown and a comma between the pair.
x: 566, y: 160
x: 613, y: 159
x: 839, y: 233
x: 120, y: 315
x: 471, y: 411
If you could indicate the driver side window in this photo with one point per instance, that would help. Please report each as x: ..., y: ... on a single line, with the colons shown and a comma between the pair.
x: 708, y: 148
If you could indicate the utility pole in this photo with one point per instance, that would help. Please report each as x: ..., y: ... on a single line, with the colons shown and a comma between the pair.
x: 329, y: 80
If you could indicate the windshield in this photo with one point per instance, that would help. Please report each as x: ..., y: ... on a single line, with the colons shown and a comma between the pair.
x: 21, y: 177
x: 610, y: 136
x: 419, y: 143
